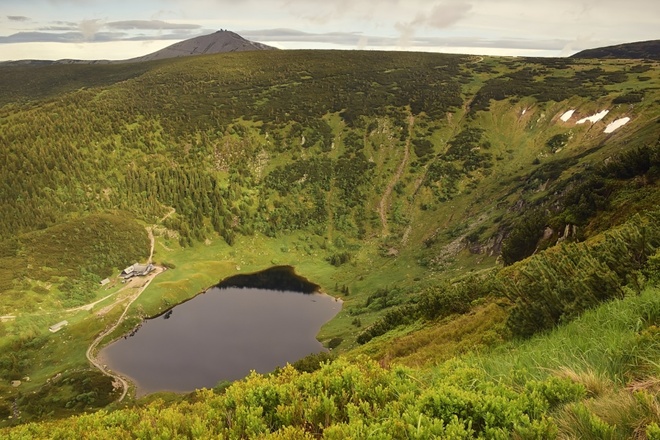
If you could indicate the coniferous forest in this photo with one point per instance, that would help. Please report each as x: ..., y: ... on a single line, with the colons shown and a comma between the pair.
x: 497, y: 254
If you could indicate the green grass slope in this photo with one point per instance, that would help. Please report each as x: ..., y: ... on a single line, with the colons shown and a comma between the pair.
x: 400, y: 182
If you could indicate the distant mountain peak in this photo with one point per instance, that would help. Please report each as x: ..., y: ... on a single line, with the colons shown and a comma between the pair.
x: 218, y: 42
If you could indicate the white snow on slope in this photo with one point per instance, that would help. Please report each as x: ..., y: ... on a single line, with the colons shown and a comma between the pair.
x: 594, y: 118
x: 566, y: 116
x: 616, y: 124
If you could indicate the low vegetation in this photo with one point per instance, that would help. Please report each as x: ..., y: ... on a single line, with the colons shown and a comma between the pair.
x: 533, y: 389
x: 481, y: 244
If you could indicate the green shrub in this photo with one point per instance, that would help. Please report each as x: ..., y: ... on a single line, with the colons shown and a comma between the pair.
x: 340, y: 400
x: 339, y: 258
x: 558, y: 284
x: 653, y: 431
x: 313, y: 361
x: 630, y: 97
x: 558, y: 141
x: 524, y: 237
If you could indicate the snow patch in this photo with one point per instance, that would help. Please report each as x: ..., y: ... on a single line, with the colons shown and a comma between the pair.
x: 616, y: 124
x: 567, y: 115
x: 593, y: 118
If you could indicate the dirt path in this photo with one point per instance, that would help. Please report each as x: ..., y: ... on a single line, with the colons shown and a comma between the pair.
x: 91, y: 305
x: 172, y: 211
x: 153, y: 242
x: 150, y: 231
x: 91, y: 356
x: 384, y: 204
x: 88, y: 306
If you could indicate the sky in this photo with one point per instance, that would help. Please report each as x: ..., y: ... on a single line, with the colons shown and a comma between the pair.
x: 122, y: 29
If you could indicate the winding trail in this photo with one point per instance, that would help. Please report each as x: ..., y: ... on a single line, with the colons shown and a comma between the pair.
x: 88, y: 306
x: 91, y: 356
x: 153, y: 242
x: 90, y: 353
x: 384, y: 204
x: 91, y: 305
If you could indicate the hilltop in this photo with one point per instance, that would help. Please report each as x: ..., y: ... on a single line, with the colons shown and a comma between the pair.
x: 218, y: 42
x: 458, y: 205
x: 640, y: 50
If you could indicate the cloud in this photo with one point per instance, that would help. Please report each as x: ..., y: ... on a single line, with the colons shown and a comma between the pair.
x: 359, y: 40
x: 150, y: 25
x: 89, y: 28
x: 96, y: 30
x: 178, y: 36
x: 446, y: 14
x: 320, y: 12
x: 406, y: 33
x: 292, y: 35
x: 59, y: 26
x: 441, y: 16
x: 324, y: 12
x: 73, y: 27
x: 97, y: 37
x: 42, y: 37
x: 18, y: 18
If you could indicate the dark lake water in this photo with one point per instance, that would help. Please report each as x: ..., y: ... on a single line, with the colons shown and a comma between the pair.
x: 221, y: 334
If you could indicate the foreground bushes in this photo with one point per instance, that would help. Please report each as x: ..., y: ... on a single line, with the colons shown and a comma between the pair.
x: 341, y: 400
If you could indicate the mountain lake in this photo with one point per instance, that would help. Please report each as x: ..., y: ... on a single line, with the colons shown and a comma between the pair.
x: 224, y: 333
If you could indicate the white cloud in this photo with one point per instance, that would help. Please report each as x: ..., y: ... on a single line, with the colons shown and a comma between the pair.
x: 89, y: 28
x: 441, y: 15
x: 481, y: 26
x: 446, y: 14
x: 18, y: 18
x: 150, y: 24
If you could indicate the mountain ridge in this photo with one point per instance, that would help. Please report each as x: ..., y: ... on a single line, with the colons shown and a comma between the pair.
x: 222, y: 41
x: 638, y: 50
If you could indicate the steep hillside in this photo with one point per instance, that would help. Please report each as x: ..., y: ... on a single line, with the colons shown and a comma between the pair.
x: 401, y: 182
x: 641, y: 50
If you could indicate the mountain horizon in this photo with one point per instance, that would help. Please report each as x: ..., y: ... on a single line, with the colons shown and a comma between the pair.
x: 221, y: 41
